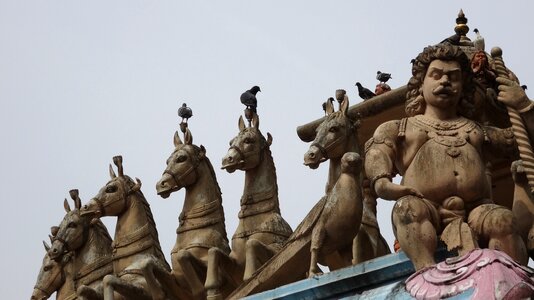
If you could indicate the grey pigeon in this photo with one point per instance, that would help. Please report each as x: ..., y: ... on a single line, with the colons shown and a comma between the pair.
x: 248, y: 98
x: 524, y: 87
x: 185, y: 112
x: 364, y: 93
x: 383, y: 77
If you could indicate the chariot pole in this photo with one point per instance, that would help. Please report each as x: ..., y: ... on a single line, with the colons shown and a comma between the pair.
x: 518, y: 127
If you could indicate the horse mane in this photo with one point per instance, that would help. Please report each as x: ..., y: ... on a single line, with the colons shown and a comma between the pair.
x: 102, y: 230
x: 150, y: 217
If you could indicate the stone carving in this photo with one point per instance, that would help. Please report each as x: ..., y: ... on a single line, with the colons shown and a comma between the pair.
x: 201, y: 222
x: 139, y: 267
x: 439, y: 153
x: 335, y: 136
x: 523, y: 206
x: 261, y: 231
x: 88, y: 246
x: 55, y: 277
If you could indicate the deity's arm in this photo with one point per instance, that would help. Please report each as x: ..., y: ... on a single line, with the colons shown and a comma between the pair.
x: 380, y: 158
x: 513, y: 95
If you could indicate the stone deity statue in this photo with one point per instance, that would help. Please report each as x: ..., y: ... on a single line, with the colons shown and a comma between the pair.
x: 441, y: 154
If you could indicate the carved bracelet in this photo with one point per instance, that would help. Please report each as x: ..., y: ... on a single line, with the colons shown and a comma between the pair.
x: 379, y: 176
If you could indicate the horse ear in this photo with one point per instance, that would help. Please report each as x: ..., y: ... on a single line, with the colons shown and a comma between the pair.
x: 137, y: 185
x: 241, y: 123
x: 269, y: 139
x: 117, y: 160
x: 329, y: 107
x: 66, y: 205
x: 344, y: 106
x: 111, y: 172
x: 54, y: 230
x: 188, y: 137
x: 256, y: 121
x: 177, y: 140
x: 202, y: 152
x: 46, y: 246
x: 74, y: 196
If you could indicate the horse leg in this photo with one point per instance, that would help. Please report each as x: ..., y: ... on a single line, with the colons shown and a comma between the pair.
x: 257, y: 254
x: 114, y: 285
x: 187, y: 262
x: 85, y: 292
x: 220, y: 267
x: 156, y: 290
x: 318, y: 236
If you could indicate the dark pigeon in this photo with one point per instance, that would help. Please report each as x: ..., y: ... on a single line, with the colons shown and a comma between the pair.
x: 453, y: 40
x: 364, y: 93
x: 524, y: 87
x: 248, y: 98
x: 185, y: 112
x: 383, y: 77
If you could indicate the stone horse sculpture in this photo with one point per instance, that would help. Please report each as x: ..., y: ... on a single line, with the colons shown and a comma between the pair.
x: 261, y: 231
x: 336, y: 136
x: 89, y: 244
x: 139, y: 267
x: 55, y: 277
x: 201, y: 222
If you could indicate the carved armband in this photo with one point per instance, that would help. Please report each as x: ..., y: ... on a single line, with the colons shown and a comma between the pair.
x: 379, y: 140
x: 379, y: 176
x: 528, y: 108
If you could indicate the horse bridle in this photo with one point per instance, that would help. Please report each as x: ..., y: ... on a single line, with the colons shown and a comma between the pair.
x: 62, y: 278
x: 102, y: 206
x: 194, y: 166
x: 324, y: 149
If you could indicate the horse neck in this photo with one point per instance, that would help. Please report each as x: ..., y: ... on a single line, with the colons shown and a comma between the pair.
x: 68, y: 287
x: 262, y: 178
x: 135, y: 216
x: 334, y: 169
x: 96, y: 247
x: 204, y: 190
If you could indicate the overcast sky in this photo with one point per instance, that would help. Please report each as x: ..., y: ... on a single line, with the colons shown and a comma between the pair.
x: 81, y: 82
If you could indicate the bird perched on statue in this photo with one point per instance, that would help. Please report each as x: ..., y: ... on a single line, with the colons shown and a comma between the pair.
x: 453, y: 40
x: 383, y: 77
x: 364, y: 93
x: 479, y: 41
x: 248, y: 98
x: 331, y: 100
x: 185, y: 112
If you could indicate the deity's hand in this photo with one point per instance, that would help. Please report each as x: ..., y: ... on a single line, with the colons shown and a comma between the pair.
x: 511, y: 94
x: 388, y: 190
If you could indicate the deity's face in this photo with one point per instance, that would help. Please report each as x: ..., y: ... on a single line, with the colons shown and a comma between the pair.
x: 442, y: 86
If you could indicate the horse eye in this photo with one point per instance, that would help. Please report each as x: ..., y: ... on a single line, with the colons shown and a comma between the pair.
x: 333, y: 129
x: 72, y: 225
x: 181, y: 158
x: 111, y: 189
x: 47, y: 268
x: 249, y: 141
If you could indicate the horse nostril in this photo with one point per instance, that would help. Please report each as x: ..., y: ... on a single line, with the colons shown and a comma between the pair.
x: 311, y: 155
x: 163, y: 183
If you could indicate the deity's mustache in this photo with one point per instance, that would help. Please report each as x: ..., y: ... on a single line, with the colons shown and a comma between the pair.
x: 442, y: 89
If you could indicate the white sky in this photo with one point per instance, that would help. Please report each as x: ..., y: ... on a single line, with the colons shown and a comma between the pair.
x: 81, y: 82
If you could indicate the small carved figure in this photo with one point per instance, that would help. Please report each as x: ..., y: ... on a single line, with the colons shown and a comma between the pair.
x: 523, y: 206
x: 201, y: 222
x: 382, y: 88
x: 261, y: 231
x: 439, y: 153
x: 139, y: 267
x: 481, y: 69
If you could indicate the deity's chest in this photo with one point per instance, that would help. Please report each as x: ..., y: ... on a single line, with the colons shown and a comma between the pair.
x: 445, y: 152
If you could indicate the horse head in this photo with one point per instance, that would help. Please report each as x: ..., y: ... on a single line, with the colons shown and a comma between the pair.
x: 51, y: 276
x: 246, y: 149
x: 181, y: 170
x: 112, y: 199
x: 333, y: 136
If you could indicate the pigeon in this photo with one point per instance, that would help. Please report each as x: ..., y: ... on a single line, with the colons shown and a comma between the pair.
x: 248, y: 98
x: 524, y: 87
x: 479, y: 41
x: 453, y: 40
x: 324, y: 104
x: 383, y: 77
x: 185, y: 112
x: 364, y: 93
